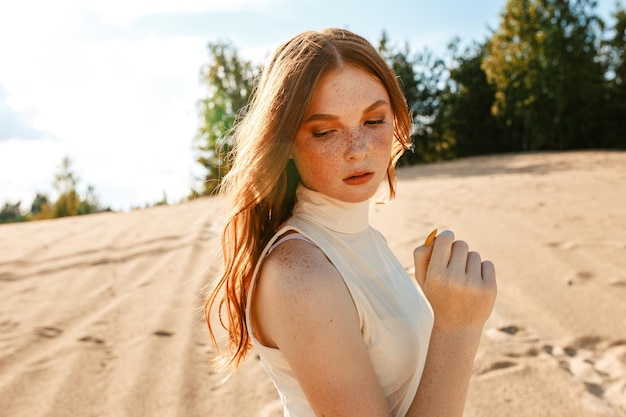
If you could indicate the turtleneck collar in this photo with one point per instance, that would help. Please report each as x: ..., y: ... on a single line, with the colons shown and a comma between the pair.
x: 333, y: 214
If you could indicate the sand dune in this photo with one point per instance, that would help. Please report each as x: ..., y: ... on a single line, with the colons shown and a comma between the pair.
x: 101, y: 315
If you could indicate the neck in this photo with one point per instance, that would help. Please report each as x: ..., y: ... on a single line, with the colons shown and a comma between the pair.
x: 331, y: 213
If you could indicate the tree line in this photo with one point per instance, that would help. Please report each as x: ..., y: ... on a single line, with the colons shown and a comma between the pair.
x: 70, y: 201
x: 551, y: 76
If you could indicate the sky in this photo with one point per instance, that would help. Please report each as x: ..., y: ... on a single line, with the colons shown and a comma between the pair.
x: 114, y: 84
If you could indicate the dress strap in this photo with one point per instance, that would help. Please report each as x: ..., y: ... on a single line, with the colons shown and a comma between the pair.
x: 285, y: 238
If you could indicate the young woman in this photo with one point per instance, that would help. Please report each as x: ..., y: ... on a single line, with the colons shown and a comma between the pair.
x: 339, y: 326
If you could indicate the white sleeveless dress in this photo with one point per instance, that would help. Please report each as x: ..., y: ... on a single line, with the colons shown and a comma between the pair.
x: 396, y: 319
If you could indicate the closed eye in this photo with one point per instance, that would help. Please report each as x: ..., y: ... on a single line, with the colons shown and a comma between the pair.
x: 322, y: 134
x: 375, y: 122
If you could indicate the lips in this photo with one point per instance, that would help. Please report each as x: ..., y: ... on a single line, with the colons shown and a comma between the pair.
x: 359, y: 178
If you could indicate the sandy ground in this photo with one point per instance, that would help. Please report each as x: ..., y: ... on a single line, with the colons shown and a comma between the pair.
x: 101, y: 315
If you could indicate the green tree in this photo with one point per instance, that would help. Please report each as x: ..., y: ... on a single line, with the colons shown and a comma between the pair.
x: 66, y: 205
x: 65, y: 182
x: 431, y: 138
x: 543, y: 62
x: 424, y: 83
x: 11, y: 213
x: 618, y: 44
x: 90, y: 203
x: 229, y: 80
x: 40, y: 203
x: 468, y: 115
x: 403, y: 66
x: 70, y: 202
x: 615, y: 56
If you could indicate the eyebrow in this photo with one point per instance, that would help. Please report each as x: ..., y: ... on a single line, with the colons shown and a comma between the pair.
x: 321, y: 116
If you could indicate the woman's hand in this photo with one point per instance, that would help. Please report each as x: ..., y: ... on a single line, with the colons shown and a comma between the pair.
x: 460, y: 287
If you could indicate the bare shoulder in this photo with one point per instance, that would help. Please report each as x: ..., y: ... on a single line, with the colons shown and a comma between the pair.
x: 297, y: 286
x: 304, y: 309
x: 297, y: 265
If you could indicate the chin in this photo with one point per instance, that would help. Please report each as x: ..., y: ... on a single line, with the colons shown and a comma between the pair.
x: 357, y: 196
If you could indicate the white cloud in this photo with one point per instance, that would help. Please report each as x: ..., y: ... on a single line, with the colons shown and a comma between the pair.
x: 122, y: 109
x: 130, y: 116
x: 14, y: 124
x: 121, y: 11
x: 46, y: 14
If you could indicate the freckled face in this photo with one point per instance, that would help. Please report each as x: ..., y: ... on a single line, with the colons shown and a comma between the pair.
x: 343, y: 147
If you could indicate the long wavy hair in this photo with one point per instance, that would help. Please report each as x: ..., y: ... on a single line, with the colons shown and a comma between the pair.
x: 260, y: 187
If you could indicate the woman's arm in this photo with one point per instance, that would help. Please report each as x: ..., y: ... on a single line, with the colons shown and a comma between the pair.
x: 303, y: 308
x: 462, y: 290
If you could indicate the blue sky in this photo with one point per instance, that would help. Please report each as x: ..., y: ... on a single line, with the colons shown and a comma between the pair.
x: 113, y: 84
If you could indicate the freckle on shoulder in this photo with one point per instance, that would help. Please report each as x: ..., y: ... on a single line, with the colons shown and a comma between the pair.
x: 295, y: 265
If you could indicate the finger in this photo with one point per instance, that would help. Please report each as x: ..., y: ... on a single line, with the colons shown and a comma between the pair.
x: 489, y: 274
x: 473, y: 268
x: 421, y: 257
x: 458, y: 256
x: 441, y: 252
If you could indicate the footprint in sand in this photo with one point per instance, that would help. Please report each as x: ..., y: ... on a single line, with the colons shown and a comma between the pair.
x: 524, y: 346
x: 580, y: 277
x: 563, y: 245
x: 510, y: 333
x: 618, y: 282
x: 497, y: 365
x: 599, y: 364
x: 8, y: 325
x: 48, y: 332
x: 512, y: 330
x: 92, y: 340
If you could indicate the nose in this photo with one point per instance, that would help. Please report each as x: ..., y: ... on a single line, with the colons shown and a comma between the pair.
x: 357, y: 145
